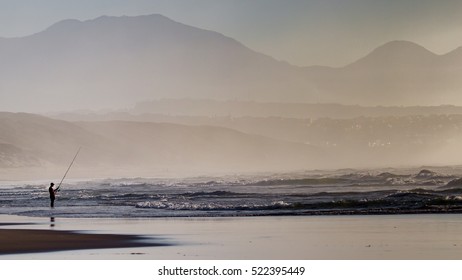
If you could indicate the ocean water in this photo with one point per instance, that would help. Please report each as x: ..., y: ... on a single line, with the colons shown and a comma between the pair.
x: 311, y: 193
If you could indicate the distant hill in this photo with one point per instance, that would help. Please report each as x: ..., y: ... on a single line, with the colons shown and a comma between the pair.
x: 396, y: 55
x: 33, y: 146
x: 120, y: 148
x: 44, y: 141
x: 114, y: 62
x: 358, y: 137
x: 397, y: 73
x: 233, y: 108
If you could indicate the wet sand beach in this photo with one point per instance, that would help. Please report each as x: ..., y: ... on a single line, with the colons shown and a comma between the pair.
x: 383, y: 237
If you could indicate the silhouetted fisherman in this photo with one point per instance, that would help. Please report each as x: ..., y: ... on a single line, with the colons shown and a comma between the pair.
x: 52, y: 195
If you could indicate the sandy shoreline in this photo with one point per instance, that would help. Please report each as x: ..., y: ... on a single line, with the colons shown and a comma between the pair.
x: 17, y: 241
x: 381, y: 237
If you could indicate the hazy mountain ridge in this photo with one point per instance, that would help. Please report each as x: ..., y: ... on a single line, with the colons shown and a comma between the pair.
x: 396, y: 54
x: 359, y: 132
x: 120, y: 148
x: 48, y: 141
x: 355, y: 137
x: 396, y: 73
x: 154, y: 145
x: 234, y: 108
x: 118, y: 61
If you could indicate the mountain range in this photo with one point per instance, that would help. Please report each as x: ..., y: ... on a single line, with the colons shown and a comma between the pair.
x: 34, y: 146
x: 38, y: 147
x: 397, y: 73
x: 115, y: 62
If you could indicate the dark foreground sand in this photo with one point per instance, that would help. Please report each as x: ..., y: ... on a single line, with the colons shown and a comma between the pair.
x: 15, y: 241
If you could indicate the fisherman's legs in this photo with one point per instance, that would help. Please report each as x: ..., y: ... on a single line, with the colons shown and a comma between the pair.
x: 52, y: 202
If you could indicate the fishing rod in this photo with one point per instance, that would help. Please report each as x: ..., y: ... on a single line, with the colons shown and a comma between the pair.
x: 57, y: 189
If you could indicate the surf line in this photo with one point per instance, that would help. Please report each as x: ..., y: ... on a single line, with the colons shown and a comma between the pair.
x: 72, y: 162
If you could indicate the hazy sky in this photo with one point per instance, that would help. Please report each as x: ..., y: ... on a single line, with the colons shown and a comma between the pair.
x: 302, y: 32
